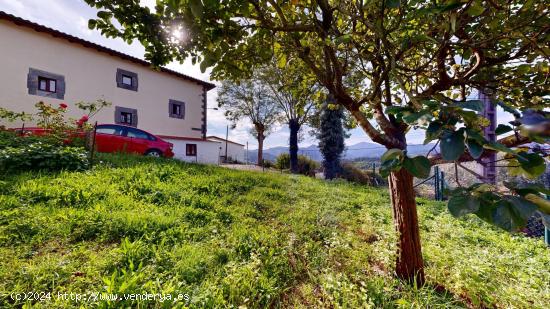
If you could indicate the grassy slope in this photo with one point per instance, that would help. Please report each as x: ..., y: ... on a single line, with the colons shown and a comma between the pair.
x: 244, y: 238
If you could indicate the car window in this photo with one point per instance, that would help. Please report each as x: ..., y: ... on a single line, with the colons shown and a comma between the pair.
x: 111, y: 130
x: 137, y: 134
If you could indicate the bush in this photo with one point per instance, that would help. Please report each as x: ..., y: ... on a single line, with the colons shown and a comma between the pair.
x: 267, y: 163
x: 43, y: 156
x: 306, y: 166
x: 12, y: 139
x: 354, y: 174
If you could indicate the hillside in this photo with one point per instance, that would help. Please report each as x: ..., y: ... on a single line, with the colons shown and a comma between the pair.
x: 227, y: 238
x: 359, y: 150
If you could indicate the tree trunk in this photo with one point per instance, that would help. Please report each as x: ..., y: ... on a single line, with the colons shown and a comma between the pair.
x: 409, y: 265
x: 294, y: 127
x: 261, y: 148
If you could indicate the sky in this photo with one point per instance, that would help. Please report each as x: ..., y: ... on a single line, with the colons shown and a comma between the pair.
x: 71, y: 16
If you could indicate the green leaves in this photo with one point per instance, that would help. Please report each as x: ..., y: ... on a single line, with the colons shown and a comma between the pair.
x: 411, y: 118
x: 502, y: 128
x: 474, y: 148
x: 475, y: 105
x: 432, y: 133
x: 391, y: 161
x: 418, y: 166
x: 531, y: 163
x: 452, y: 144
x: 475, y: 9
x: 196, y: 8
x: 512, y: 213
x: 395, y: 159
x: 393, y: 3
x: 507, y: 212
x: 463, y: 204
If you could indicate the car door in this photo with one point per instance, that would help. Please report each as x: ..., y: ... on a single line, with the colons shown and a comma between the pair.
x: 109, y: 138
x: 138, y: 141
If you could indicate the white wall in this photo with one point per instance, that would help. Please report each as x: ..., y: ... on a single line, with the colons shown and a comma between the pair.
x: 234, y: 151
x: 208, y: 152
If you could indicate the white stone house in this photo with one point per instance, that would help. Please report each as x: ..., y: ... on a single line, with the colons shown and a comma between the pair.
x: 43, y: 64
x: 235, y: 151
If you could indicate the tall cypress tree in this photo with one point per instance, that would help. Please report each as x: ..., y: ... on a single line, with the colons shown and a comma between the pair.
x: 331, y: 138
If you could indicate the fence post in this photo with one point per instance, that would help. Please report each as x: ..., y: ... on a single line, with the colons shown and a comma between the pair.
x: 436, y: 182
x: 442, y: 180
x: 92, y: 149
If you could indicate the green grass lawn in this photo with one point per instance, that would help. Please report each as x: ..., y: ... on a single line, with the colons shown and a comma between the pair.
x: 231, y: 238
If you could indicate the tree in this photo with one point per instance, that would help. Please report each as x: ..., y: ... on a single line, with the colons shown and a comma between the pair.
x: 393, y: 65
x: 250, y: 99
x: 294, y: 93
x: 331, y: 138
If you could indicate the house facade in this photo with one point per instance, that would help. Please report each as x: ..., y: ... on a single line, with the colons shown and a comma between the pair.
x: 42, y: 64
x: 235, y: 151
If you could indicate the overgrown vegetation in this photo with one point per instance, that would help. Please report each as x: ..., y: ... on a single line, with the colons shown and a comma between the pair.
x: 42, y: 156
x: 352, y: 173
x: 232, y: 238
x: 305, y: 165
x: 57, y: 145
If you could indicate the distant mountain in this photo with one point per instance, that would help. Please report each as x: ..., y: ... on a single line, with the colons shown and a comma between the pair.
x: 359, y: 150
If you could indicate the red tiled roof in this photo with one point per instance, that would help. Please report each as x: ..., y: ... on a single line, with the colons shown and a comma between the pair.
x: 76, y: 40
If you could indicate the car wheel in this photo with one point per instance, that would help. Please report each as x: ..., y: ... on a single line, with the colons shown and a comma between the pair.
x: 153, y: 153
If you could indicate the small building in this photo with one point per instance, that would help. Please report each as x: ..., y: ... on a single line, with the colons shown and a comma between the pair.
x: 43, y: 64
x: 235, y: 151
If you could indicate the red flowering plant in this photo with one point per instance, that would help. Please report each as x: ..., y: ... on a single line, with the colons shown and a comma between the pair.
x: 91, y: 109
x: 67, y: 130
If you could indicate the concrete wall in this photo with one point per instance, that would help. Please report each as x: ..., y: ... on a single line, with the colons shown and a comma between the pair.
x: 234, y: 151
x: 90, y: 75
x: 207, y: 151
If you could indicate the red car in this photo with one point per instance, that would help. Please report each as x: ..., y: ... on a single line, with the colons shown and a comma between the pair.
x: 119, y: 138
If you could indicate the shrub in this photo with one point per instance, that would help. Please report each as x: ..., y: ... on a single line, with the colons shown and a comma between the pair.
x: 306, y: 166
x: 354, y: 174
x: 267, y: 164
x: 43, y: 156
x: 12, y: 139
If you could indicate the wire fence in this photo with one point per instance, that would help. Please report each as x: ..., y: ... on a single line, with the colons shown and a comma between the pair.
x: 446, y: 177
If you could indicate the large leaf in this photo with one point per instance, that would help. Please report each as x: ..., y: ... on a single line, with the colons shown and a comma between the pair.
x: 543, y: 204
x: 393, y: 3
x: 433, y: 131
x: 463, y: 204
x: 523, y: 188
x: 474, y: 148
x: 452, y: 145
x: 531, y: 163
x: 391, y: 154
x: 418, y: 166
x: 391, y: 161
x: 475, y: 105
x: 512, y: 213
x: 196, y: 8
x: 498, y: 147
x: 502, y: 128
x: 413, y: 117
